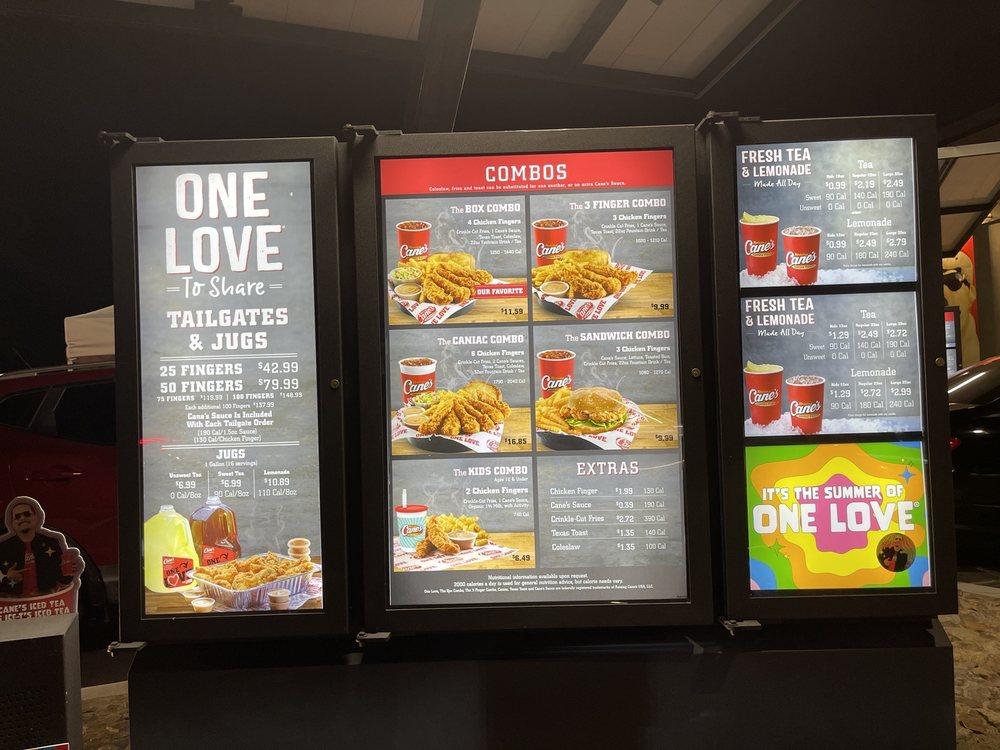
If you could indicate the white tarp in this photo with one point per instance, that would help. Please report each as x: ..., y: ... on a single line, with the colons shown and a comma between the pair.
x: 90, y: 337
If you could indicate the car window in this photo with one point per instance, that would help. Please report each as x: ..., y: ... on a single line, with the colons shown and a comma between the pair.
x: 976, y: 386
x: 18, y: 409
x: 86, y: 413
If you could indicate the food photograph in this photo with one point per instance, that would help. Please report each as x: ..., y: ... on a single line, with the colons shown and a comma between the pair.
x: 592, y: 260
x: 204, y: 561
x: 455, y: 261
x: 466, y: 391
x: 467, y: 514
x: 605, y: 387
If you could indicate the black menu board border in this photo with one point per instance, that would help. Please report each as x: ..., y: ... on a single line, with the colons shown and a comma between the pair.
x: 333, y: 618
x: 379, y: 614
x: 722, y: 144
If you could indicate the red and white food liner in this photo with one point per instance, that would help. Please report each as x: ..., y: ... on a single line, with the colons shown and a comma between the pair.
x: 594, y: 309
x: 430, y: 314
x: 479, y: 442
x: 313, y: 589
x: 404, y: 561
x: 617, y: 439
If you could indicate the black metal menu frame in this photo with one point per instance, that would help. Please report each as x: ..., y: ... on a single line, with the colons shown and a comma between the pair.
x: 333, y: 618
x: 833, y: 603
x: 372, y: 327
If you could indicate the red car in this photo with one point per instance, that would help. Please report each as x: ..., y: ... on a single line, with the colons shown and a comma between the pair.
x: 57, y: 445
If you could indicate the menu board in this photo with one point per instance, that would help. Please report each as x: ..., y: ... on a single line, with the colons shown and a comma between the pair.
x: 952, y: 339
x: 824, y: 355
x: 829, y: 364
x: 227, y: 365
x: 837, y: 516
x: 532, y: 376
x: 826, y: 212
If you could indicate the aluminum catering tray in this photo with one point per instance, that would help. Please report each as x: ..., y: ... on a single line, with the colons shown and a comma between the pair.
x: 256, y: 598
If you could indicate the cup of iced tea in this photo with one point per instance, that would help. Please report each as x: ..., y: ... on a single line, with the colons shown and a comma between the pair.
x: 67, y: 563
x: 801, y: 245
x: 805, y: 402
x: 418, y: 375
x: 414, y: 239
x: 549, y: 236
x: 555, y: 370
x: 759, y: 235
x: 763, y: 389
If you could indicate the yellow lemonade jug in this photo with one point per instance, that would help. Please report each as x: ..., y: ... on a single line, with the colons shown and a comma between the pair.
x: 168, y: 552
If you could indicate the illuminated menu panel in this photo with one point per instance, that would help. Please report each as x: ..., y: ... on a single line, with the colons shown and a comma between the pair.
x: 532, y: 377
x: 227, y: 360
x: 827, y: 212
x: 952, y: 339
x: 826, y: 353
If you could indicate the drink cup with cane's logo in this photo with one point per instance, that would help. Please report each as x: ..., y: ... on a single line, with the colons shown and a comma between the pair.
x: 418, y: 375
x: 549, y: 236
x: 759, y: 236
x: 801, y: 246
x: 411, y: 525
x: 805, y: 402
x: 555, y: 370
x: 763, y: 387
x: 414, y: 239
x: 67, y: 563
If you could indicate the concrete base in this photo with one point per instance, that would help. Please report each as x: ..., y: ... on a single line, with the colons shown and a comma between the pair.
x: 882, y: 684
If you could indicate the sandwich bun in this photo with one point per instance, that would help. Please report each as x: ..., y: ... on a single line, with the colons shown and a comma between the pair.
x: 594, y: 410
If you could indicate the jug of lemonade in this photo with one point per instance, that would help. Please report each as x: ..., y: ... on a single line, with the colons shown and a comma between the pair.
x: 168, y: 552
x: 213, y: 527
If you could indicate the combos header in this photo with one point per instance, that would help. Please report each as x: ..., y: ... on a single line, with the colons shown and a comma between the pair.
x: 527, y: 172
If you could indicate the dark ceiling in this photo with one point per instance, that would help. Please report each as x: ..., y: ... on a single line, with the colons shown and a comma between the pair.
x: 66, y: 78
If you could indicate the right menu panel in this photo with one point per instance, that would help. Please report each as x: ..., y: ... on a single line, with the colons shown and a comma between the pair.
x: 833, y: 428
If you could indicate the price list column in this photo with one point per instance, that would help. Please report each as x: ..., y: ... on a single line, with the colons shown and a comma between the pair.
x: 596, y: 511
x: 608, y: 460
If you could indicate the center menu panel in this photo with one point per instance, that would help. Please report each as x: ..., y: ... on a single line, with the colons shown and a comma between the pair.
x: 535, y: 441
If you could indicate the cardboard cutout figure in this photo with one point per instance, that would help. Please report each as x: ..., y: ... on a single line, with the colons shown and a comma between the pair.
x: 39, y: 573
x: 960, y: 291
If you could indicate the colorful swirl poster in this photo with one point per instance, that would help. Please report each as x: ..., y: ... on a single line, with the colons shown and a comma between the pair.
x: 837, y: 516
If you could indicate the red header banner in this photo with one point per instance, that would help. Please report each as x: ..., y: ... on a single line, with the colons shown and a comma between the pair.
x: 525, y: 173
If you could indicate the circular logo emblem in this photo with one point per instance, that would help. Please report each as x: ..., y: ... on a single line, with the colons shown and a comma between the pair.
x: 896, y: 552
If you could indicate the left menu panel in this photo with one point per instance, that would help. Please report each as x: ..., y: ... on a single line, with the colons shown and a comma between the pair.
x: 228, y: 372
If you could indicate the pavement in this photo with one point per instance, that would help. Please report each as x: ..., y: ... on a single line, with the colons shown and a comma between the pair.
x: 974, y: 633
x: 975, y: 637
